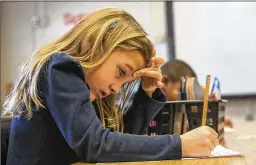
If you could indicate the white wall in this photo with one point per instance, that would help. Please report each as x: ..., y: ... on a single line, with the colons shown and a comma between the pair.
x: 15, y: 38
x: 219, y: 38
x: 19, y: 40
x: 144, y: 12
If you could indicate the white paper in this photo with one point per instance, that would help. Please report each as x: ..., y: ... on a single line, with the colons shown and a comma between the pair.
x: 220, y: 151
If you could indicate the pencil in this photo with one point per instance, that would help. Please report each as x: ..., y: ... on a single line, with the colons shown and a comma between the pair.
x: 206, y: 92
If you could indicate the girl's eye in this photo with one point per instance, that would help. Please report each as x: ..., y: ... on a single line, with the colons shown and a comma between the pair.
x: 121, y: 72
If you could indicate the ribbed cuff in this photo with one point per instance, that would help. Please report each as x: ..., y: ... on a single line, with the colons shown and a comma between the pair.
x: 176, y: 147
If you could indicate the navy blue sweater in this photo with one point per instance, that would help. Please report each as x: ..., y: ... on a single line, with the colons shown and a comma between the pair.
x: 68, y: 130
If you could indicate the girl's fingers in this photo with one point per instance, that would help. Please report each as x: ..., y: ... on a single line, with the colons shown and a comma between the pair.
x: 149, y: 73
x: 138, y: 73
x: 157, y: 60
x: 154, y: 52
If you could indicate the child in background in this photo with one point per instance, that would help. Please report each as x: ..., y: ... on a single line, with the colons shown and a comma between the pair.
x: 64, y: 101
x: 172, y: 72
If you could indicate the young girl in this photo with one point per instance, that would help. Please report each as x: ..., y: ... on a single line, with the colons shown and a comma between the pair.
x: 64, y: 102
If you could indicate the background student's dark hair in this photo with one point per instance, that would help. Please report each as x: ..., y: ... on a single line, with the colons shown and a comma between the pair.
x: 175, y: 69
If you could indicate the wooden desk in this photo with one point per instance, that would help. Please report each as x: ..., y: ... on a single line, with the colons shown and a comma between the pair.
x: 213, y: 161
x: 233, y: 141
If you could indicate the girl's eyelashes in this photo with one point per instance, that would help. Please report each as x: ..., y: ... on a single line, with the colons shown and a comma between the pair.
x: 122, y: 72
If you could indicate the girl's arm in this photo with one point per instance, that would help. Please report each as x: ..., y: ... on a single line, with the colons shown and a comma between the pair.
x: 142, y: 111
x: 67, y: 98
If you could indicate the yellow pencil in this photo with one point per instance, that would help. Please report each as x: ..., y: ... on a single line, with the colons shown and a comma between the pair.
x: 206, y: 92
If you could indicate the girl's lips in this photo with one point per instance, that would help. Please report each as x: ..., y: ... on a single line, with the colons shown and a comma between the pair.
x: 101, y: 94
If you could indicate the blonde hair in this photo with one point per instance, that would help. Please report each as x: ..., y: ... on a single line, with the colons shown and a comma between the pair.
x: 90, y: 42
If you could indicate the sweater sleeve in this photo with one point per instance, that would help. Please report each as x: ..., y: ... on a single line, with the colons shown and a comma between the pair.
x: 67, y: 98
x: 142, y: 111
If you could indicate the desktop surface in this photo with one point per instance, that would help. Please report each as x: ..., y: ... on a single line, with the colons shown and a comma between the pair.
x: 239, y: 140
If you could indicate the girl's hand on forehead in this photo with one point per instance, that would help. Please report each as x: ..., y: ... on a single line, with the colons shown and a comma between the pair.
x: 151, y: 76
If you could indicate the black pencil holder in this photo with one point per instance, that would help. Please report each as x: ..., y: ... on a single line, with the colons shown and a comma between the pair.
x: 182, y: 116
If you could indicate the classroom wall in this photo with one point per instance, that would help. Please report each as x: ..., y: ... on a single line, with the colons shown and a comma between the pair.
x: 19, y: 39
x: 15, y: 38
x: 1, y: 50
x: 219, y: 38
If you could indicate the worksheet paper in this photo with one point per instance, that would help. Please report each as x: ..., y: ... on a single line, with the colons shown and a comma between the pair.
x: 220, y: 151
